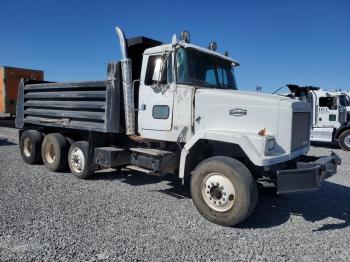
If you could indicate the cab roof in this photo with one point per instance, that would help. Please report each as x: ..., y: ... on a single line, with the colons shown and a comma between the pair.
x: 208, y: 51
x: 161, y: 48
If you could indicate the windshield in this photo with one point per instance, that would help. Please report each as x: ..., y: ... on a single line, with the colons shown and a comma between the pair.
x: 344, y: 101
x: 198, y: 68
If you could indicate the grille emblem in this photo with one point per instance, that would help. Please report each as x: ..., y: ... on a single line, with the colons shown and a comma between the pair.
x: 237, y: 112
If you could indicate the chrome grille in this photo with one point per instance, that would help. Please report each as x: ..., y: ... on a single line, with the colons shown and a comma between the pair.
x: 300, y: 130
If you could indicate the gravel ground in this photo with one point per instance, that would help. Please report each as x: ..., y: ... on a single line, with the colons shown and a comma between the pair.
x: 128, y: 217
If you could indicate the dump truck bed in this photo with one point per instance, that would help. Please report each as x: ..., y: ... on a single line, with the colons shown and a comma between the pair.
x: 89, y: 105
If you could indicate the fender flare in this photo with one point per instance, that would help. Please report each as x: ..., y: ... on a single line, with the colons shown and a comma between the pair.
x: 245, y: 141
x: 341, y: 129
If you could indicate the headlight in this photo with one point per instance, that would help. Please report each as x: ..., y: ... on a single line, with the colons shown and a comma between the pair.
x: 270, y: 145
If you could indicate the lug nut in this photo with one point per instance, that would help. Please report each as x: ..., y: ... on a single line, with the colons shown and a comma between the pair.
x: 231, y: 197
x: 217, y: 183
x: 219, y: 202
x: 210, y: 198
x: 222, y: 188
x: 208, y: 192
x: 223, y: 199
x: 224, y: 193
x: 214, y: 202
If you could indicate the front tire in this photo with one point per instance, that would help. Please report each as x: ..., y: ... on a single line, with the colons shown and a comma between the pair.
x: 223, y: 190
x: 30, y: 146
x: 78, y: 160
x: 54, y: 152
x: 344, y: 140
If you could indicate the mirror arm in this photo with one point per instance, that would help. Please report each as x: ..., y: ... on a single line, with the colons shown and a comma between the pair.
x: 133, y: 82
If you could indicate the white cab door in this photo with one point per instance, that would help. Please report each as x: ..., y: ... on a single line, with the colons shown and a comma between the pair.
x: 156, y: 99
x: 327, y: 112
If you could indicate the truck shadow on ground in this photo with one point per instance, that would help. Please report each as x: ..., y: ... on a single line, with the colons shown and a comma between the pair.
x: 6, y: 142
x: 333, y: 145
x: 175, y: 188
x: 331, y: 201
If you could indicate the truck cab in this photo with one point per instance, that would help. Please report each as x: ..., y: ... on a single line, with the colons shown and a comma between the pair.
x: 330, y: 121
x: 170, y: 77
x: 188, y: 93
x: 344, y: 98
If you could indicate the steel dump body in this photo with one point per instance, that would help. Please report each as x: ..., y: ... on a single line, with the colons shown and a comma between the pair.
x: 92, y: 106
x: 9, y: 80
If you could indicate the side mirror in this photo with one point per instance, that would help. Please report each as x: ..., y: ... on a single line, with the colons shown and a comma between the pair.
x: 160, y: 69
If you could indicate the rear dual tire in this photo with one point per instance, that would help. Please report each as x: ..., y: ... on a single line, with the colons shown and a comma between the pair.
x: 54, y: 152
x: 30, y: 146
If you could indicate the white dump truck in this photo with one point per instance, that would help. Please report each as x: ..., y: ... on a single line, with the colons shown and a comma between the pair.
x: 174, y: 109
x: 330, y: 118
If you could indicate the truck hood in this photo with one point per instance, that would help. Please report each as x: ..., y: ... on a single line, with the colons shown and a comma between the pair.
x: 253, y: 98
x: 248, y: 112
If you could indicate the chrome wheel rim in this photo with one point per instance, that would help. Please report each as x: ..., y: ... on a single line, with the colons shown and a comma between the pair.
x: 77, y: 160
x: 218, y: 192
x: 27, y: 146
x: 347, y: 141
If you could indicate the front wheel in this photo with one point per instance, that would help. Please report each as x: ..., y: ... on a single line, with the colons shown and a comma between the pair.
x: 344, y: 140
x: 223, y: 190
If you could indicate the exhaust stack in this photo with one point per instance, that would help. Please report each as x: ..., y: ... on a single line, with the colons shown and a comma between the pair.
x: 128, y: 91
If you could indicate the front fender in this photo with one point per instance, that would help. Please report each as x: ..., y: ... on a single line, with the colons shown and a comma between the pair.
x: 252, y: 144
x: 341, y: 129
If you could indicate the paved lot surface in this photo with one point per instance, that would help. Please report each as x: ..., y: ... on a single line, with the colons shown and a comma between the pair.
x: 128, y: 217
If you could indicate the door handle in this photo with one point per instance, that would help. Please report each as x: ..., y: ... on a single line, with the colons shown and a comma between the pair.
x: 143, y: 107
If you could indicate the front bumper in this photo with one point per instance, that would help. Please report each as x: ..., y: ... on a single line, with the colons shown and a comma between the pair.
x: 308, y: 174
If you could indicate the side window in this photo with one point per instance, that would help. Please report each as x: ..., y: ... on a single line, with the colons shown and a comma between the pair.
x: 160, y: 112
x: 332, y: 118
x: 155, y: 67
x: 327, y: 102
x: 169, y: 71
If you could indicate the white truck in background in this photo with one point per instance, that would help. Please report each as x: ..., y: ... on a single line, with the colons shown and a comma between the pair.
x: 345, y: 97
x: 330, y: 117
x: 189, y: 121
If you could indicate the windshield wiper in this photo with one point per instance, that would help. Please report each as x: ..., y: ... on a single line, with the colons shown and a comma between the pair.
x: 202, y: 82
x: 194, y: 81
